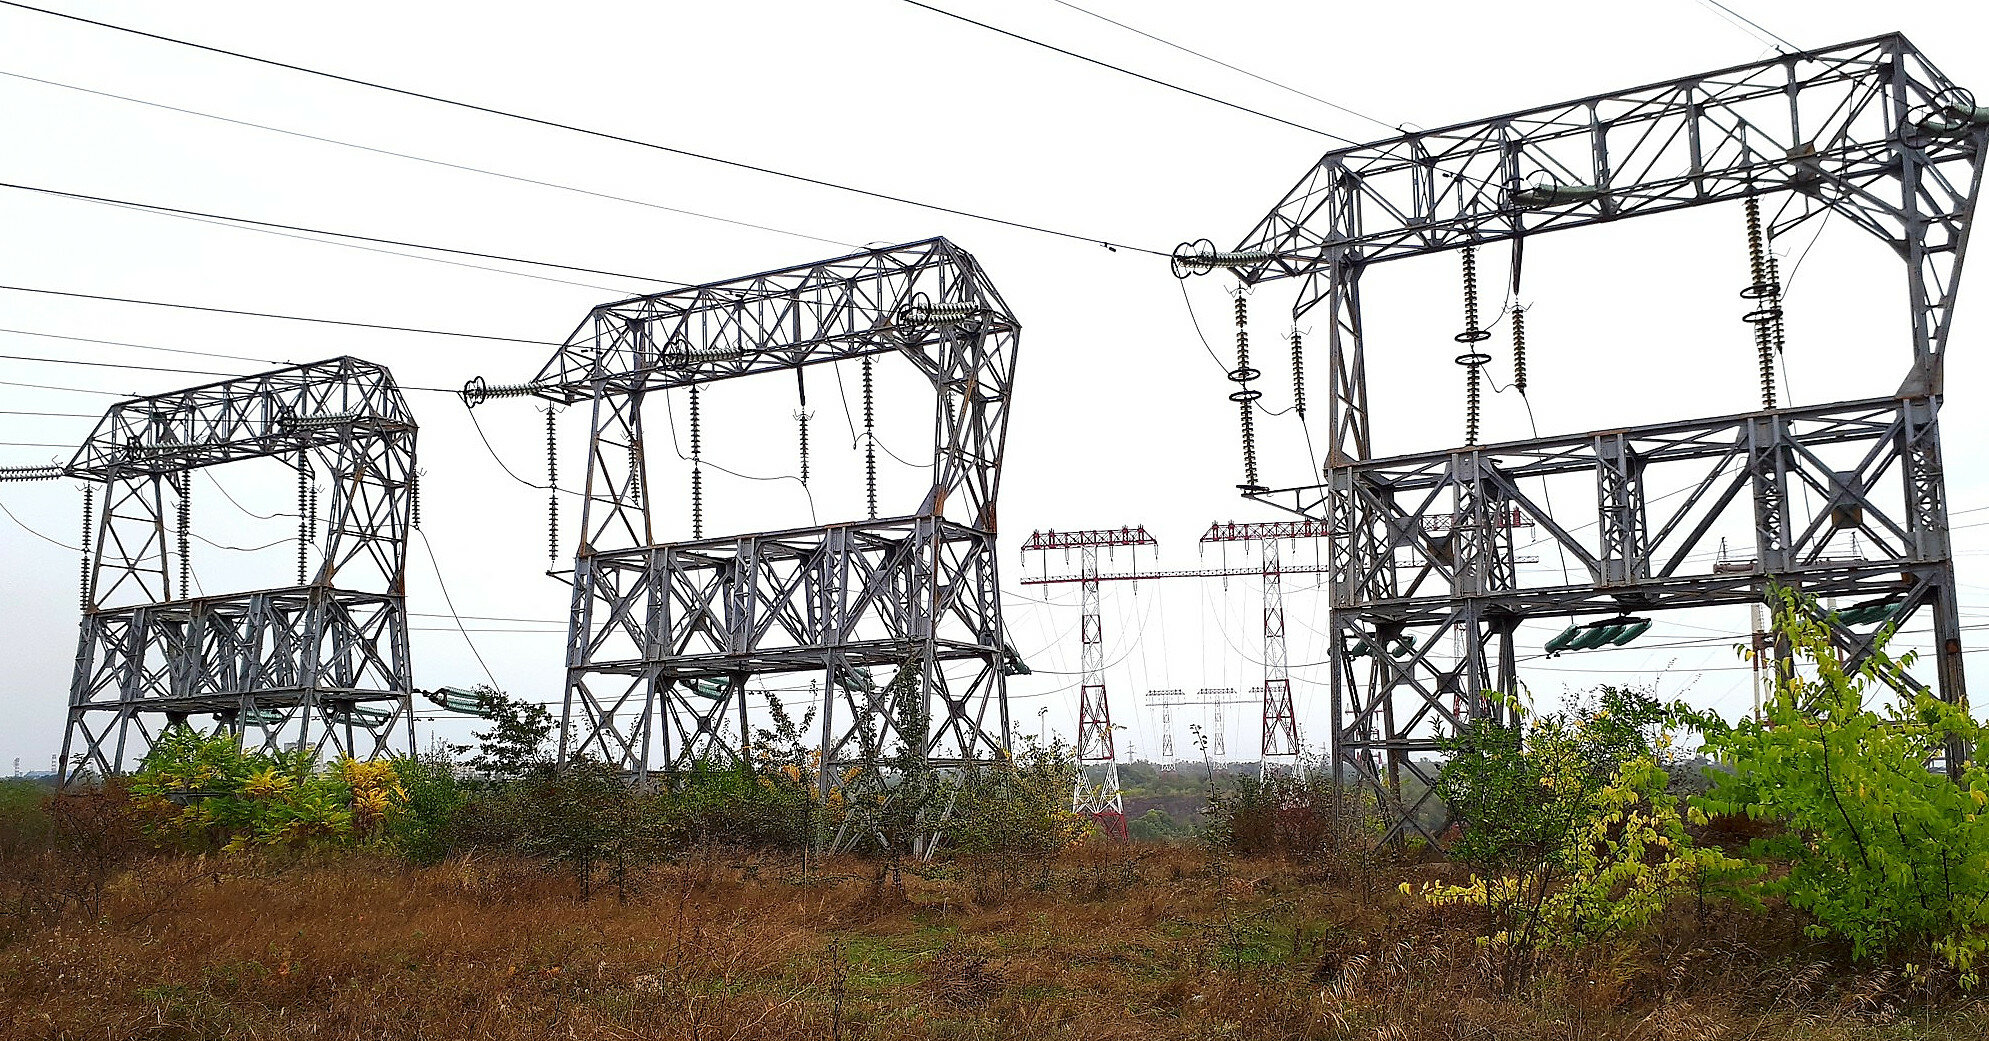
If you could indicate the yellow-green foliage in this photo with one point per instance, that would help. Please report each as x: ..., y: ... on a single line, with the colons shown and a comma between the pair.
x: 207, y: 791
x: 1624, y: 859
x: 1885, y: 850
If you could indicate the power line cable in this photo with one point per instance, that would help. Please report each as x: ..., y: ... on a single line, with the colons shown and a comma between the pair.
x: 577, y: 129
x: 1121, y: 69
x: 1218, y: 61
x: 283, y: 317
x: 465, y: 167
x: 450, y: 602
x: 355, y: 241
x: 141, y: 346
x: 1757, y: 25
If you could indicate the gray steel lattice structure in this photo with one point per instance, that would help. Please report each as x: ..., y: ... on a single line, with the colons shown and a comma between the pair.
x: 322, y: 664
x: 1868, y: 130
x: 915, y: 594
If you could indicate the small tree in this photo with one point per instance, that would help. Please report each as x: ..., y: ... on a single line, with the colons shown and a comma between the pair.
x: 515, y: 744
x: 1884, y: 852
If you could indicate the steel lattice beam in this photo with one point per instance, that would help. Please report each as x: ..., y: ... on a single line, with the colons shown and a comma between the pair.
x: 322, y: 665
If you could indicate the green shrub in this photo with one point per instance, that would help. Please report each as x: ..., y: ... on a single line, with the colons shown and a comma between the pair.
x: 208, y: 792
x: 1883, y: 852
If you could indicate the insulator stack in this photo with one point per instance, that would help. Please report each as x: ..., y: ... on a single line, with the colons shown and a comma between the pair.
x: 1766, y: 295
x: 1246, y: 396
x: 185, y: 519
x: 552, y: 488
x: 1473, y: 359
x: 1201, y: 257
x: 89, y: 530
x: 303, y: 504
x: 1519, y: 349
x: 43, y: 472
x: 1298, y: 373
x: 869, y: 440
x: 634, y: 479
x: 476, y: 391
x: 801, y: 420
x: 414, y: 500
x: 697, y: 468
x: 921, y: 311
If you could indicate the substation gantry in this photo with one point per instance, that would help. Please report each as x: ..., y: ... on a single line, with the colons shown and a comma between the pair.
x: 1867, y: 130
x: 321, y: 664
x: 664, y: 636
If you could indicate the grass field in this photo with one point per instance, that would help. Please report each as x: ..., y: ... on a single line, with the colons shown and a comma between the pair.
x: 1116, y: 942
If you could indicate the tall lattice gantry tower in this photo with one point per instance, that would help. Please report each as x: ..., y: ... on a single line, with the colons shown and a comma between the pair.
x: 321, y: 664
x: 665, y: 635
x: 1842, y: 499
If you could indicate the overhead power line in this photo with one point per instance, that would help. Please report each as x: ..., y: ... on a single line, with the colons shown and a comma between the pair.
x: 282, y: 317
x: 411, y: 157
x: 1128, y: 72
x: 574, y: 128
x: 175, y: 211
x: 1233, y: 68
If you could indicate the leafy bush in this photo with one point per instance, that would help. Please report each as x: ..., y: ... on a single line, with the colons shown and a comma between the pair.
x: 210, y: 793
x: 1010, y: 820
x: 1570, y: 817
x: 1297, y: 816
x: 1883, y: 852
x: 427, y: 827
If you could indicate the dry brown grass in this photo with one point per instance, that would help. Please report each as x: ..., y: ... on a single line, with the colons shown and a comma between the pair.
x: 1159, y: 944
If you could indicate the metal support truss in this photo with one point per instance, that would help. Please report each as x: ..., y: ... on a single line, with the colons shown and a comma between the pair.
x: 1869, y: 130
x: 322, y: 665
x: 664, y: 636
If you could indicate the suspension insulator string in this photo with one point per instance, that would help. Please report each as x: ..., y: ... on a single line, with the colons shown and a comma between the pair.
x: 1245, y: 395
x: 869, y: 439
x: 697, y: 468
x: 1766, y: 295
x: 1473, y: 359
x: 1298, y: 373
x: 801, y: 420
x: 634, y: 479
x: 184, y: 486
x: 414, y: 500
x: 89, y: 508
x: 552, y: 488
x: 303, y: 508
x: 311, y: 512
x: 1519, y: 349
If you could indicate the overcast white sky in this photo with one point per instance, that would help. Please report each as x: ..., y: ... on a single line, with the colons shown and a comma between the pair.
x: 1120, y: 416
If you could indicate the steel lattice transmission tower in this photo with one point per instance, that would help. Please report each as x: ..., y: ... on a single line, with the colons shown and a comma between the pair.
x: 321, y: 664
x: 1867, y: 130
x: 1279, y: 749
x: 1097, y: 791
x: 665, y: 635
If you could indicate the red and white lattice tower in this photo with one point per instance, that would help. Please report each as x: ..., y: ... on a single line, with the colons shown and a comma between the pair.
x: 1278, y: 750
x: 1097, y: 791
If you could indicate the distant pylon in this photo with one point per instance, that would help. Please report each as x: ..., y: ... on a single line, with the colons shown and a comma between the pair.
x: 1278, y: 747
x: 1096, y: 793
